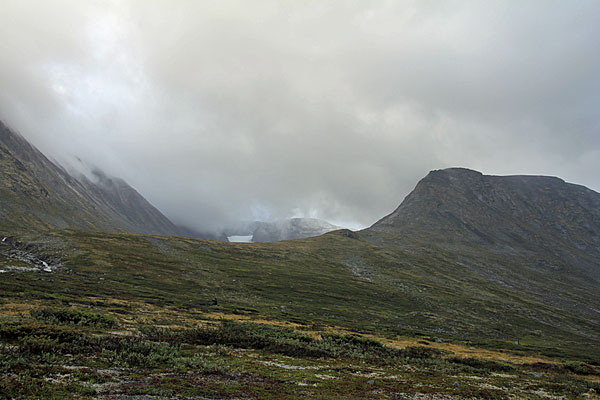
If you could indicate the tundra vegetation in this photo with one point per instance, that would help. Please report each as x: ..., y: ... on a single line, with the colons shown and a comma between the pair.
x: 134, y: 316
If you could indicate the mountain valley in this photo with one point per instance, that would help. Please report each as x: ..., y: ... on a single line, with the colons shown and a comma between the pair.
x: 476, y: 286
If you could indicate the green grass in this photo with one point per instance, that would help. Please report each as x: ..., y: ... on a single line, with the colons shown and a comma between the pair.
x: 342, y: 297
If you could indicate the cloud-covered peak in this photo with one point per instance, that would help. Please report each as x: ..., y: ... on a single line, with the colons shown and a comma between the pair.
x: 229, y: 111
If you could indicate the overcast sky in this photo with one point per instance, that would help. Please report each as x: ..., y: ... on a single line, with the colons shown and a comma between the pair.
x: 226, y: 110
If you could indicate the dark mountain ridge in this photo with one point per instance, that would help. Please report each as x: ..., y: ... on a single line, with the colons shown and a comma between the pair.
x: 461, y: 205
x: 520, y: 215
x: 36, y: 193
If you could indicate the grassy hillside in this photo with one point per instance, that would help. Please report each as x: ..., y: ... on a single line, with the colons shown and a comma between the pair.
x: 333, y: 279
x: 151, y: 298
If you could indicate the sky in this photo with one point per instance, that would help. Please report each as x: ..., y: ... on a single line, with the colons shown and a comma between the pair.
x: 219, y: 111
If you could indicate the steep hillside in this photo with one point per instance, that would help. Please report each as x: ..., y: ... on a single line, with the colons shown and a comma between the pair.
x: 462, y: 206
x: 36, y: 193
x: 534, y: 234
x: 334, y: 317
x: 537, y: 219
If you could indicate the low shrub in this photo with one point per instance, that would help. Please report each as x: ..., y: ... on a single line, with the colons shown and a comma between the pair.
x: 580, y: 368
x: 18, y: 330
x: 69, y: 316
x: 480, y: 364
x: 421, y: 352
x: 288, y: 342
x: 39, y: 344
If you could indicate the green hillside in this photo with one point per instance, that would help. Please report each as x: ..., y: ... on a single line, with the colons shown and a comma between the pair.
x: 475, y: 287
x: 338, y: 283
x: 334, y: 279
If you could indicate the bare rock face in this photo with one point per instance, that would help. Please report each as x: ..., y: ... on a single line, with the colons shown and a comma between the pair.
x: 539, y: 216
x: 36, y: 193
x: 466, y: 206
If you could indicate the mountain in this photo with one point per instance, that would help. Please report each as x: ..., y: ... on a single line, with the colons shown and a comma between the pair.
x: 285, y: 229
x: 487, y: 287
x: 535, y: 235
x: 293, y: 228
x: 464, y: 206
x: 524, y: 216
x: 36, y: 193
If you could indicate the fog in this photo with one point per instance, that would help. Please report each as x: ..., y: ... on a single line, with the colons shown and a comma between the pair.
x: 243, y: 110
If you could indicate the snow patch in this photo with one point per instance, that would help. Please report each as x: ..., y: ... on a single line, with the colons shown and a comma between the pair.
x: 240, y: 238
x: 46, y: 267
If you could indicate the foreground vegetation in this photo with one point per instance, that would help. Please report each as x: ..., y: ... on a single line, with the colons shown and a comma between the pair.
x: 75, y: 358
x: 123, y: 316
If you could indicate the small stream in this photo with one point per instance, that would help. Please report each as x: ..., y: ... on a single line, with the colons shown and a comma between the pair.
x: 15, y: 250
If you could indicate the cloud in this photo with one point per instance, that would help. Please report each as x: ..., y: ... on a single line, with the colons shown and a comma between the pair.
x: 229, y: 110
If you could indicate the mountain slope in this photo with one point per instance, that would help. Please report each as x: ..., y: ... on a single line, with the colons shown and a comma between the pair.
x: 36, y: 193
x: 524, y: 216
x: 396, y: 278
x: 533, y: 234
x: 460, y: 205
x: 472, y: 317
